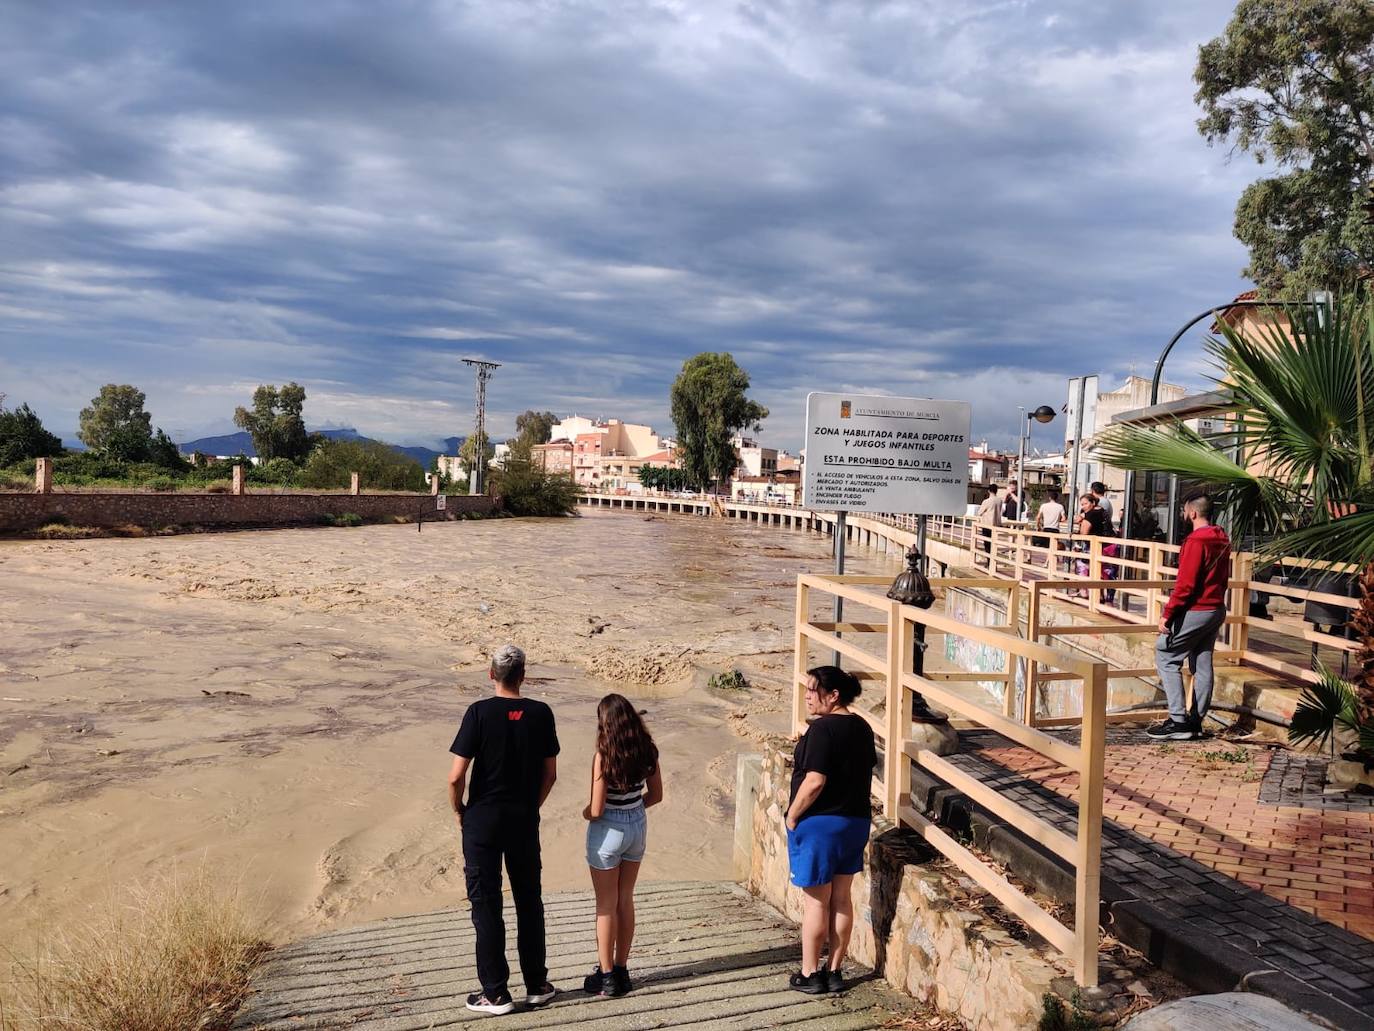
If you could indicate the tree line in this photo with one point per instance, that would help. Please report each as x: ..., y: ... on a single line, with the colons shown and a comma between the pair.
x: 124, y: 448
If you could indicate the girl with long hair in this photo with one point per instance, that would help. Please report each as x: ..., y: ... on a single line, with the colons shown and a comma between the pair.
x: 626, y: 780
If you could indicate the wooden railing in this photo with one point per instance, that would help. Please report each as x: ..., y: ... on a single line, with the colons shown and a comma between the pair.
x: 889, y: 669
x: 1141, y: 574
x: 1131, y: 586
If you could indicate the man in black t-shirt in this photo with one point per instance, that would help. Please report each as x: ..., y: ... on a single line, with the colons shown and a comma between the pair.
x: 509, y: 745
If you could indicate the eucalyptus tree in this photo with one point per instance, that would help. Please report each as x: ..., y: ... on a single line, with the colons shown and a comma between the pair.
x: 709, y: 408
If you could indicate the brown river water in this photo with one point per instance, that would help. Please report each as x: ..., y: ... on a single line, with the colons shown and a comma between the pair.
x: 275, y: 707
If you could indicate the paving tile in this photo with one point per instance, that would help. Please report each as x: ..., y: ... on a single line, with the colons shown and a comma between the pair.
x: 1273, y: 866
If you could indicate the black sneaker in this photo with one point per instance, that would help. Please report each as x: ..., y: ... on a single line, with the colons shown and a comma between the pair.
x: 1171, y: 731
x: 834, y: 981
x: 603, y: 984
x: 496, y: 1007
x: 809, y: 984
x: 622, y: 979
x: 540, y: 996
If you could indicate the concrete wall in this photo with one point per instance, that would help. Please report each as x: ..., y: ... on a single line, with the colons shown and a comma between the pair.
x: 912, y: 920
x: 20, y: 512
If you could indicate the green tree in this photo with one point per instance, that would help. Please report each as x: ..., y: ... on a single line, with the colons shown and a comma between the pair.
x: 1292, y: 81
x: 658, y: 478
x: 116, y: 424
x: 162, y: 450
x: 709, y: 407
x: 527, y: 490
x: 1306, y: 415
x: 467, y: 454
x: 531, y: 428
x: 23, y: 437
x: 378, y: 465
x: 276, y: 422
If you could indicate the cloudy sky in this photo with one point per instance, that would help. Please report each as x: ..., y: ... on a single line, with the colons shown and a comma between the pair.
x: 968, y: 200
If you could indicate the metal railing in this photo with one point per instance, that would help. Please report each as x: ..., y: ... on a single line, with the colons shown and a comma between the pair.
x: 889, y: 668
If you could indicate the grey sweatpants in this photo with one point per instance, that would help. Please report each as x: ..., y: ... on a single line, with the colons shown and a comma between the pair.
x: 1192, y: 639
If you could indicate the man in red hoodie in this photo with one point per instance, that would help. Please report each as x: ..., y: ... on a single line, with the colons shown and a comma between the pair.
x: 1192, y: 618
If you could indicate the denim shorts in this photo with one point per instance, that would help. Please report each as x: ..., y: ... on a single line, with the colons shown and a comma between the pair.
x: 618, y: 836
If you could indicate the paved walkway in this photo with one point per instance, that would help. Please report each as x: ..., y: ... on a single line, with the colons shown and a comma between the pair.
x: 706, y: 955
x: 1186, y: 830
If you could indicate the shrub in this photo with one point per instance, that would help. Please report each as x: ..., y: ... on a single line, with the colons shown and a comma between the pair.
x: 161, y: 483
x: 175, y: 954
x: 379, y: 466
x: 730, y: 680
x: 527, y: 490
x: 279, y: 472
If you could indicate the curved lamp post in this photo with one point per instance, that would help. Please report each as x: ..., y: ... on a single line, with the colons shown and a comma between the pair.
x: 1043, y: 415
x: 1128, y: 516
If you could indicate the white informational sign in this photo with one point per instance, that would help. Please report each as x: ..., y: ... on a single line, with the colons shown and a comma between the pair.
x: 442, y: 502
x: 868, y: 453
x: 1089, y: 410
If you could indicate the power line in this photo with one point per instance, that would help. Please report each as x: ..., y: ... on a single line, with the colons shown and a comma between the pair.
x: 484, y: 372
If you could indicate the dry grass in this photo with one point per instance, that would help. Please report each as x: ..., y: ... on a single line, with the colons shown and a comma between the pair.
x: 173, y: 955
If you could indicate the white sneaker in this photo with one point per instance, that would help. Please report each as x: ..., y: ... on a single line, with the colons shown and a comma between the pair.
x: 482, y: 1004
x: 542, y: 997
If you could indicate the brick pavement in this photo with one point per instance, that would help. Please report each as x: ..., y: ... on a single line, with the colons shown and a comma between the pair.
x: 1187, y: 831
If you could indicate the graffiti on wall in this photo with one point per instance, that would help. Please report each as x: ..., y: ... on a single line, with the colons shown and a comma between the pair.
x: 975, y: 656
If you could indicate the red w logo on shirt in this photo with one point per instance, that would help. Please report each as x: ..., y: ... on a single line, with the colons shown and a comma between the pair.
x: 515, y: 714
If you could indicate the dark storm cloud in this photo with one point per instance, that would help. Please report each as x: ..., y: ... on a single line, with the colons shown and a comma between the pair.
x: 967, y: 200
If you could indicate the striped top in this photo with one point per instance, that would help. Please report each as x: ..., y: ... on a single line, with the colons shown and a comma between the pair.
x: 625, y: 798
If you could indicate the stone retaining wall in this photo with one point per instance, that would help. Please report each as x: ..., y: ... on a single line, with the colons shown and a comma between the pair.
x: 19, y: 512
x: 910, y: 921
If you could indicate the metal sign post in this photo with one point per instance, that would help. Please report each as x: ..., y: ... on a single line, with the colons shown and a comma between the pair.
x: 841, y: 532
x: 1079, y: 404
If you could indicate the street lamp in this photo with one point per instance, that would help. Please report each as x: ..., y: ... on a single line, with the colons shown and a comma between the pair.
x: 1044, y: 414
x: 912, y: 588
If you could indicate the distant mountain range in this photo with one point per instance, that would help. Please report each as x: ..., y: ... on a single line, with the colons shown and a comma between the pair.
x: 241, y: 443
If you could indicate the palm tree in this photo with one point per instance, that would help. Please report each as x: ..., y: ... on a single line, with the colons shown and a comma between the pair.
x: 1295, y: 470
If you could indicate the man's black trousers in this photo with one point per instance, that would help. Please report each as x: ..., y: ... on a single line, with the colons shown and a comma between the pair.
x: 491, y: 833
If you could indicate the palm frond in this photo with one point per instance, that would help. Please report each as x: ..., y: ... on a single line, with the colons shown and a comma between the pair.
x: 1366, y: 739
x: 1305, y: 391
x: 1256, y: 505
x: 1323, y: 705
x: 1348, y: 540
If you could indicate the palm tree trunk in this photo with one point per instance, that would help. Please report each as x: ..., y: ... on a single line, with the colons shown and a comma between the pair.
x: 1363, y: 621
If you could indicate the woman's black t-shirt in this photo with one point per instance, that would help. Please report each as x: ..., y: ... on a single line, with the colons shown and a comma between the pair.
x: 1097, y: 522
x: 842, y: 748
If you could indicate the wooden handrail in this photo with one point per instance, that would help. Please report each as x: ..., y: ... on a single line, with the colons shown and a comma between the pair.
x: 1083, y: 850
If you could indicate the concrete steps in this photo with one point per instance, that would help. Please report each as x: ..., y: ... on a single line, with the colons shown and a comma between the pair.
x: 706, y: 955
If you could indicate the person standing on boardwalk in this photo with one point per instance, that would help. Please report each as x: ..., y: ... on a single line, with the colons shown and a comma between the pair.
x: 1011, y: 503
x: 829, y: 818
x: 626, y: 780
x: 989, y: 516
x: 509, y: 744
x: 1192, y: 618
x: 1099, y: 490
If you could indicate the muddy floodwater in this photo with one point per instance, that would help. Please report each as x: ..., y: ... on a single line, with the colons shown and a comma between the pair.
x: 277, y: 706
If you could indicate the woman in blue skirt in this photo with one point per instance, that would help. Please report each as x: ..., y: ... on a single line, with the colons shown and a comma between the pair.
x: 828, y: 821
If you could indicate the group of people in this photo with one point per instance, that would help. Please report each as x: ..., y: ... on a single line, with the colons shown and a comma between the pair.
x: 1095, y: 518
x: 505, y: 765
